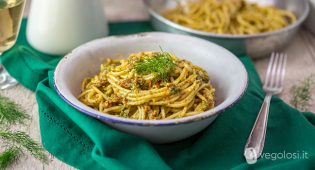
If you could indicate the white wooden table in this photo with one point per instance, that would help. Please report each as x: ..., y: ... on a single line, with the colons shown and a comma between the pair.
x: 301, y: 63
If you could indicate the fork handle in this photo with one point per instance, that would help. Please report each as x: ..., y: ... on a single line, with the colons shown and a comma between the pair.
x: 256, y: 140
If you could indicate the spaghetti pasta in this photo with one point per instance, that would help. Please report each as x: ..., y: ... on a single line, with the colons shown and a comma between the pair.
x: 149, y: 86
x: 229, y: 16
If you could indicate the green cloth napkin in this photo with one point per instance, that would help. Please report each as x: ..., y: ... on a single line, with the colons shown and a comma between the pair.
x: 86, y: 143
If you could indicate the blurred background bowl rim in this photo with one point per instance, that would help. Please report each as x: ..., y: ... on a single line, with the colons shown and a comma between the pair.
x: 129, y: 121
x: 172, y: 24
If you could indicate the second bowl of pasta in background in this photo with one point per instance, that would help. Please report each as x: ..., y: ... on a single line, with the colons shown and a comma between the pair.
x: 84, y: 62
x: 253, y: 43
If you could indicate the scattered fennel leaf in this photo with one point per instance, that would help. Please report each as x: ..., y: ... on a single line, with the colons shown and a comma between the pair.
x: 9, y: 156
x: 15, y: 142
x: 11, y: 113
x: 21, y: 139
x: 302, y: 93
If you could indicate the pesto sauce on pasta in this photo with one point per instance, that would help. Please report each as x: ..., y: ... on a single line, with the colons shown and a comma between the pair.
x: 149, y: 86
x: 229, y: 16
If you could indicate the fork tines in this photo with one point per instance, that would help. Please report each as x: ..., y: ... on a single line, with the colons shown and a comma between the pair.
x: 276, y: 72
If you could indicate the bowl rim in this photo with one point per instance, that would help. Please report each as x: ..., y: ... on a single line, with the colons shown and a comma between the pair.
x: 127, y: 121
x: 172, y: 24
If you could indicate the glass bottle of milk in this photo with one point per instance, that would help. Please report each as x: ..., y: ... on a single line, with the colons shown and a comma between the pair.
x: 58, y: 26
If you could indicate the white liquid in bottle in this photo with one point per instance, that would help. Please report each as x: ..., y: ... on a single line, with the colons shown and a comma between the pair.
x: 58, y: 26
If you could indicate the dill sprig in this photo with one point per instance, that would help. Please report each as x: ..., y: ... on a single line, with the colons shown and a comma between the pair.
x: 302, y: 93
x: 23, y: 140
x: 160, y: 65
x: 9, y: 156
x: 16, y: 142
x: 11, y: 113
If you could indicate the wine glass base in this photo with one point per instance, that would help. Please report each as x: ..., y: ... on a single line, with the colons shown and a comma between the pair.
x: 6, y: 81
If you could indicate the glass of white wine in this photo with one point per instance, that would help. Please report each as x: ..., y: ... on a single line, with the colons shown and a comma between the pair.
x: 11, y: 12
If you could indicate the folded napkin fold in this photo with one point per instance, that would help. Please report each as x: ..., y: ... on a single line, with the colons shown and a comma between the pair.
x: 87, y: 143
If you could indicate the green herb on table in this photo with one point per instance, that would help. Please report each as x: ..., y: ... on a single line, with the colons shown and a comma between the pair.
x: 21, y: 139
x: 302, y: 93
x: 9, y: 156
x: 10, y: 113
x: 16, y: 142
x: 160, y: 65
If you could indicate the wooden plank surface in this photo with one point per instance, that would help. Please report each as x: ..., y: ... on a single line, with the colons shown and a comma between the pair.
x: 301, y: 63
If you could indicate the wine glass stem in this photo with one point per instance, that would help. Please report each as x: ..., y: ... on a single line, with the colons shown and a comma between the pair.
x: 1, y: 67
x: 6, y: 81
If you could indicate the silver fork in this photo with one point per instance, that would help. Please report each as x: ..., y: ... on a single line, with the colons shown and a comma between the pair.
x: 273, y: 85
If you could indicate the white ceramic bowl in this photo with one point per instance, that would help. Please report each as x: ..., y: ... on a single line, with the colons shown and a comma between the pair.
x: 226, y: 72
